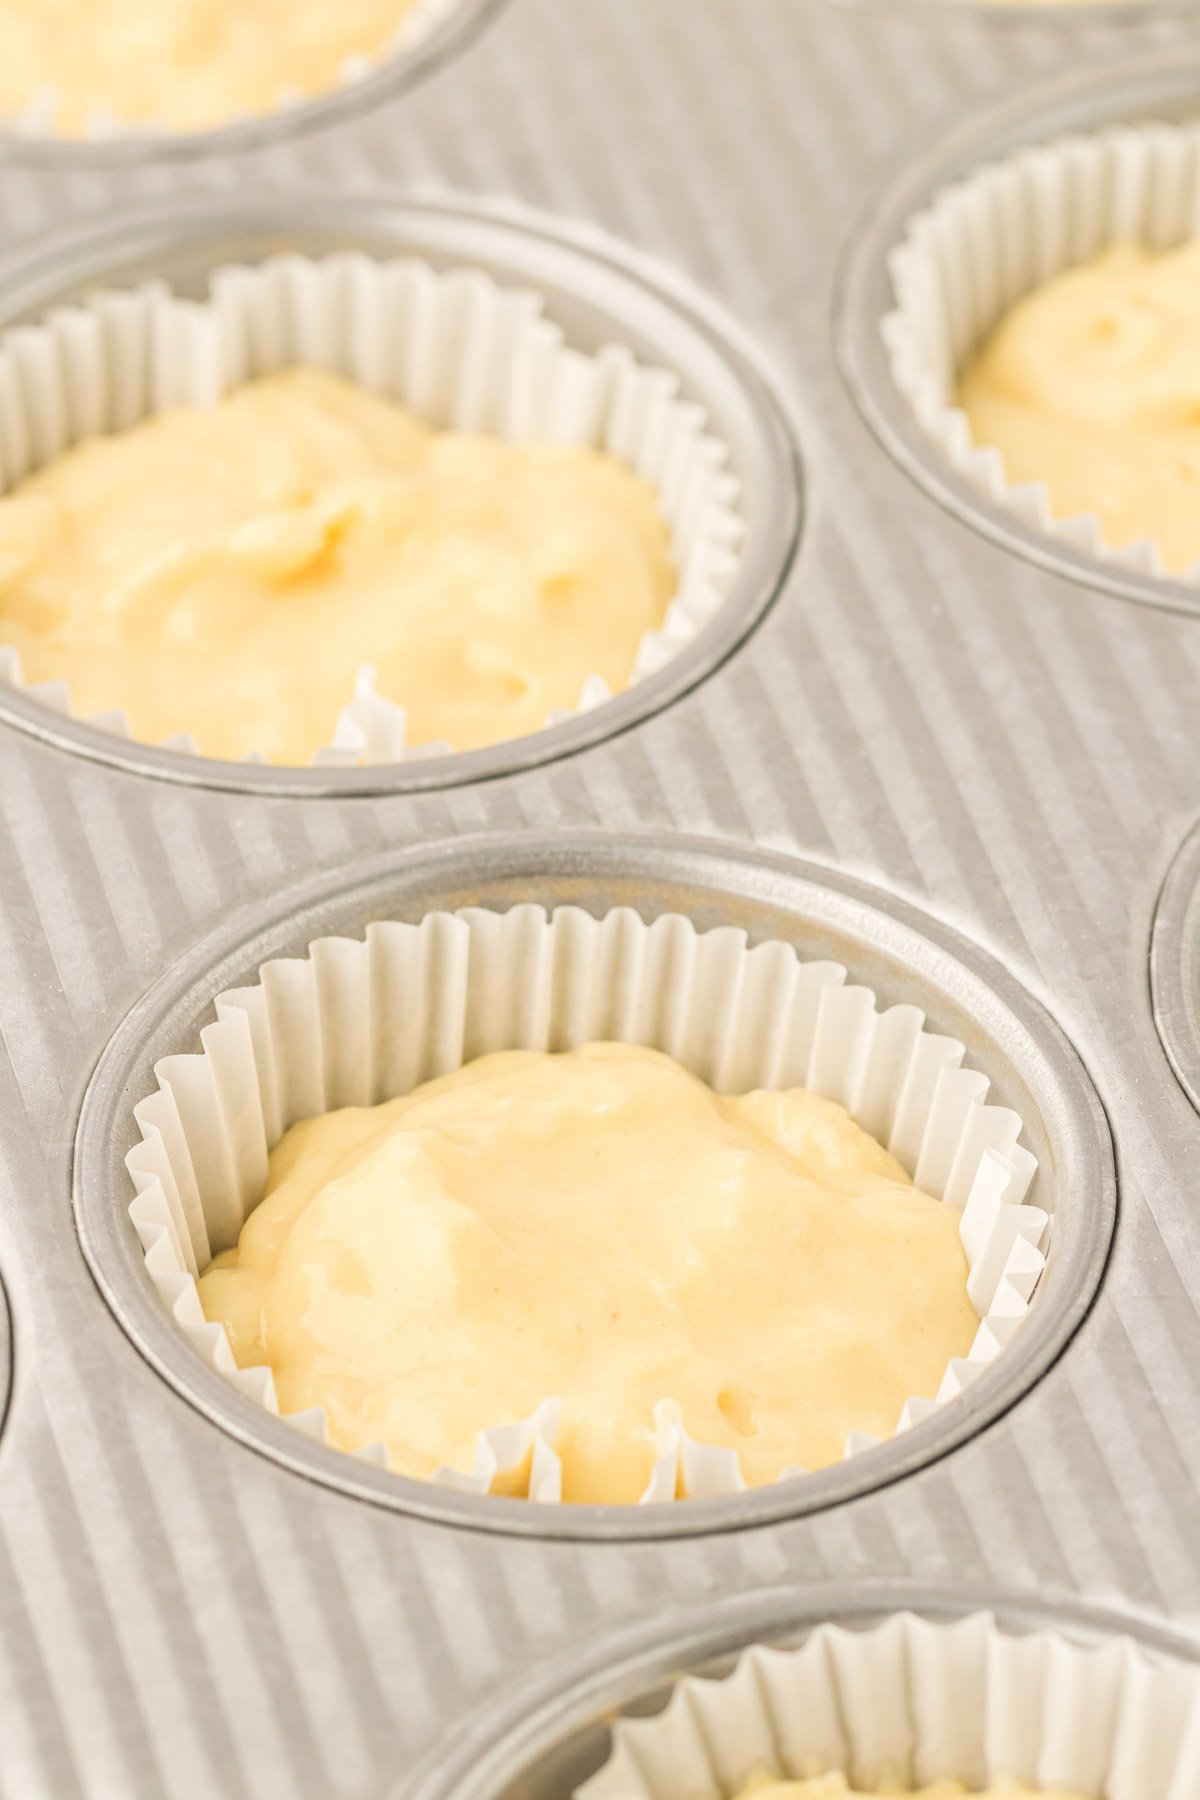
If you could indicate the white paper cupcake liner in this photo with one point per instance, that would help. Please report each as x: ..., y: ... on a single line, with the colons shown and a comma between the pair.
x: 356, y: 1022
x: 454, y: 347
x: 911, y: 1702
x: 38, y: 120
x: 991, y: 238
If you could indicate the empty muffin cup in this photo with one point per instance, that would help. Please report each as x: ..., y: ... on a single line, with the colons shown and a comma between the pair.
x: 356, y: 1022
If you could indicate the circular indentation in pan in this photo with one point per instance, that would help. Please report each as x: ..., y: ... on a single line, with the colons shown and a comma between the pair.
x: 1163, y: 88
x: 884, y: 943
x: 541, y: 1740
x: 394, y: 75
x: 595, y: 291
x: 1175, y: 965
x: 5, y: 1356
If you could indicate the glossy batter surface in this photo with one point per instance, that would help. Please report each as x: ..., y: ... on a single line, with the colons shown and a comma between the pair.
x: 599, y: 1227
x: 226, y: 570
x: 1091, y: 384
x: 182, y: 64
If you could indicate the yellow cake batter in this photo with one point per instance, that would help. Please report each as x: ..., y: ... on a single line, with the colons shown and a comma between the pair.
x: 226, y: 570
x: 182, y: 64
x: 834, y: 1787
x: 1091, y: 384
x: 602, y: 1228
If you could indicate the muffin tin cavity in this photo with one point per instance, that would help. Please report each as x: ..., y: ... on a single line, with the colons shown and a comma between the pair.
x: 798, y: 1684
x: 482, y: 319
x: 6, y: 1356
x: 433, y: 32
x: 1175, y: 965
x: 893, y: 957
x: 991, y: 214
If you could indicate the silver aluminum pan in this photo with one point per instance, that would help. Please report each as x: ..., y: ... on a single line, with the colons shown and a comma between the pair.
x: 594, y: 290
x: 5, y: 1356
x: 1175, y: 965
x: 540, y: 1744
x: 920, y: 709
x: 1165, y: 87
x: 886, y: 945
x: 129, y: 150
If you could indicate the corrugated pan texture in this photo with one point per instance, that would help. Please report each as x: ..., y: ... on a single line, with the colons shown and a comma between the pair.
x: 181, y: 1618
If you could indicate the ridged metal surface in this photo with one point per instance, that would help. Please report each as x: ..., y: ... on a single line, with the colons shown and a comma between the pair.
x: 593, y: 289
x: 1162, y: 87
x: 544, y: 1741
x: 179, y: 1616
x: 1175, y: 965
x: 896, y: 951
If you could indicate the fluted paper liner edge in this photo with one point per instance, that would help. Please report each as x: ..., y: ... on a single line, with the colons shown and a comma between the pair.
x: 910, y: 1702
x: 455, y: 347
x: 985, y: 242
x: 36, y: 122
x: 357, y: 1021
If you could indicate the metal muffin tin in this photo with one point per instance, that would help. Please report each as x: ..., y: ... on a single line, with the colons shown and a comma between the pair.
x: 1004, y: 756
x: 596, y: 292
x: 1164, y: 89
x: 5, y: 1355
x: 130, y: 149
x: 1175, y: 965
x: 543, y: 1744
x: 883, y: 943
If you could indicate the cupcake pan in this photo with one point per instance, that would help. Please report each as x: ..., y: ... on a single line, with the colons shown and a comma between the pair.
x: 985, y: 242
x: 5, y: 1356
x: 478, y: 318
x: 432, y: 31
x: 909, y: 1701
x: 863, y: 1682
x: 963, y: 234
x: 452, y: 346
x: 196, y: 1600
x: 1175, y: 965
x: 777, y: 1013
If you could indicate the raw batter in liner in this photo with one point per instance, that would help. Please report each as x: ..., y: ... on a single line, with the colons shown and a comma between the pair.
x: 1091, y: 384
x: 602, y: 1228
x: 185, y: 65
x: 226, y: 570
